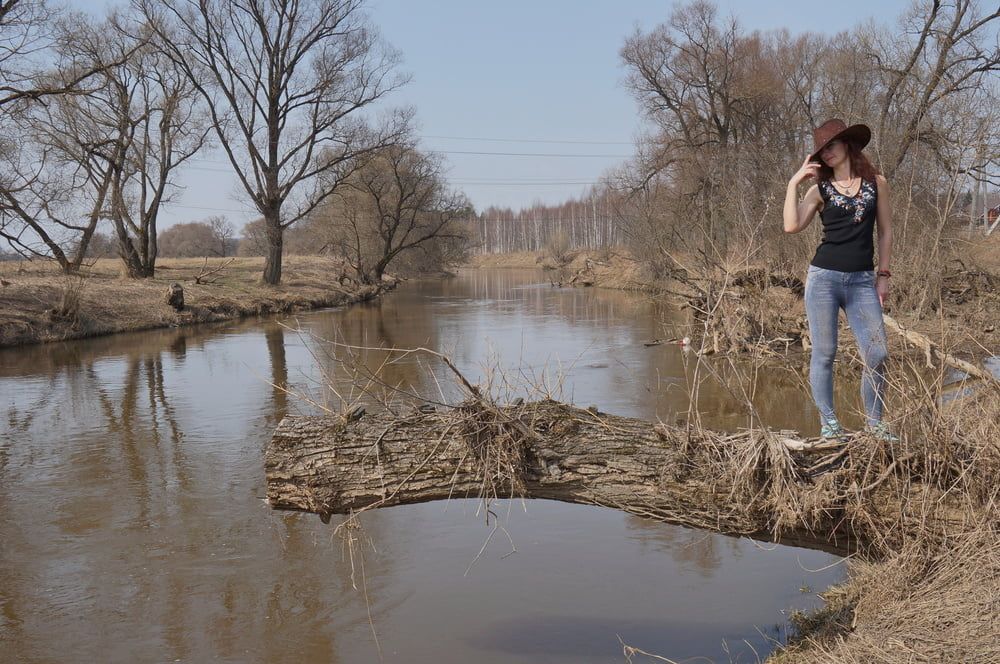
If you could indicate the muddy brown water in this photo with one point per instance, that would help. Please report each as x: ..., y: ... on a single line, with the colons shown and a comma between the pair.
x: 132, y: 525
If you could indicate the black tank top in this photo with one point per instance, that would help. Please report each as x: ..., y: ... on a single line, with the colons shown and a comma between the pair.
x: 848, y: 225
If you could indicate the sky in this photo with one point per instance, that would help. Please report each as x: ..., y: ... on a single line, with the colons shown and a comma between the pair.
x: 534, y: 77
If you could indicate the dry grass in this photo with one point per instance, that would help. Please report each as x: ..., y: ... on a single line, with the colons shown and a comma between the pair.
x: 925, y: 604
x: 39, y: 304
x: 925, y: 594
x: 517, y: 259
x: 606, y: 269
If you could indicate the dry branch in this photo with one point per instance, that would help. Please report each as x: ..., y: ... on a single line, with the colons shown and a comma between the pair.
x: 203, y: 276
x: 930, y: 348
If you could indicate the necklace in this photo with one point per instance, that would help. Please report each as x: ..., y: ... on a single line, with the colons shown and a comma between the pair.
x: 846, y: 189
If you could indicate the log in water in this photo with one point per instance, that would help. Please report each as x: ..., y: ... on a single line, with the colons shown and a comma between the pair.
x: 334, y: 465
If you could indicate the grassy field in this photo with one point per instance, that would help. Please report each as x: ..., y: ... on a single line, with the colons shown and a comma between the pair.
x: 39, y: 304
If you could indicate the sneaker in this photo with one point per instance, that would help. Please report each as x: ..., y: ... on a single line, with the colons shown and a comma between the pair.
x: 881, y: 432
x: 832, y: 431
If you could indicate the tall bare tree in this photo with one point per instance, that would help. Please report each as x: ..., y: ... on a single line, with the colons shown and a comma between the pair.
x: 128, y: 134
x: 285, y: 81
x: 165, y: 125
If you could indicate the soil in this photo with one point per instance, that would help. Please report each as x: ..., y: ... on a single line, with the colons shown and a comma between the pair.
x: 39, y: 304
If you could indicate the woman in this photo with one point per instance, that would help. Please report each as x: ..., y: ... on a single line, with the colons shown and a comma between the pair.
x: 852, y: 198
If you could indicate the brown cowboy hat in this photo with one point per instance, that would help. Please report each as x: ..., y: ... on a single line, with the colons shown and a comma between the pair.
x: 858, y: 134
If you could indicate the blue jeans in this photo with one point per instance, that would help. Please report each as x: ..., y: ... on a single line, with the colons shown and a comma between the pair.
x: 827, y: 292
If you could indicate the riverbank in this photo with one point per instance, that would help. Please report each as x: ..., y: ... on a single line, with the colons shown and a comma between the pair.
x: 757, y: 307
x: 933, y: 596
x: 604, y: 269
x: 38, y: 304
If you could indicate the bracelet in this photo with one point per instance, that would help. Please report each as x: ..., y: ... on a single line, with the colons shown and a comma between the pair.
x: 884, y: 273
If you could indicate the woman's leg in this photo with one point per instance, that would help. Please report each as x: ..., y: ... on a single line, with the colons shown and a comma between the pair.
x: 822, y: 309
x: 864, y: 314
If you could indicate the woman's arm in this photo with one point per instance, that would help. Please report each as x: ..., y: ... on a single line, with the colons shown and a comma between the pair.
x: 797, y: 215
x: 883, y: 223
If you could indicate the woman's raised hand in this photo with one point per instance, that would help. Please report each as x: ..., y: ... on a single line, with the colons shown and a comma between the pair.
x: 807, y: 171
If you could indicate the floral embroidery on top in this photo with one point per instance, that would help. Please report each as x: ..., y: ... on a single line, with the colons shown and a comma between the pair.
x: 859, y: 203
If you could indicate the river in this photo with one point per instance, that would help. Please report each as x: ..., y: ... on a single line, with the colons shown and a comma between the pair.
x: 133, y: 527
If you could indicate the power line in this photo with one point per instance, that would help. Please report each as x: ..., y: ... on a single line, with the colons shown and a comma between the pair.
x: 520, y: 184
x: 524, y: 140
x: 210, y: 209
x: 472, y: 152
x: 476, y: 181
x: 533, y: 154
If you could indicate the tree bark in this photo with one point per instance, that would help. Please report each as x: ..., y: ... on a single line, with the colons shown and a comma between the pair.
x: 330, y: 465
x: 275, y: 243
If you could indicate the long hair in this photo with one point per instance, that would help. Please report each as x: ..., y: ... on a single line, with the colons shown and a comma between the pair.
x: 859, y: 165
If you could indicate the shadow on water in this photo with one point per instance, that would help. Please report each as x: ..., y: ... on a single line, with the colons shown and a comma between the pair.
x: 133, y: 529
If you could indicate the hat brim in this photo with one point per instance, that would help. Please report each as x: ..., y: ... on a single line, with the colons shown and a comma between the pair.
x: 860, y: 135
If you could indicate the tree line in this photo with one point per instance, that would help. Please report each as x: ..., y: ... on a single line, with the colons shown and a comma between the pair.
x: 99, y: 116
x: 732, y: 112
x: 588, y: 222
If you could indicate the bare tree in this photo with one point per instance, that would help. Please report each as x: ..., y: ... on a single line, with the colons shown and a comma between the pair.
x: 712, y: 91
x: 39, y: 216
x: 48, y: 209
x: 118, y: 145
x: 222, y: 234
x: 159, y: 125
x: 26, y: 36
x: 396, y: 202
x: 285, y: 81
x: 954, y: 54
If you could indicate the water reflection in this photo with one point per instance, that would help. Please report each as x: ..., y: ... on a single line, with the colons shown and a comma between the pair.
x: 692, y: 550
x: 131, y: 477
x: 274, y: 334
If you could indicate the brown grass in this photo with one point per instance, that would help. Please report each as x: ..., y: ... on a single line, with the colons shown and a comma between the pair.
x: 926, y: 604
x: 39, y: 304
x: 615, y: 268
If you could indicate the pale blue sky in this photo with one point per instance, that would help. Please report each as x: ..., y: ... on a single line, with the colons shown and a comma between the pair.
x: 541, y: 70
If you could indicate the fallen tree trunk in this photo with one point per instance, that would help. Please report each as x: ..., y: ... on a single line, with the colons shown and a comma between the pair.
x: 930, y: 348
x: 749, y: 483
